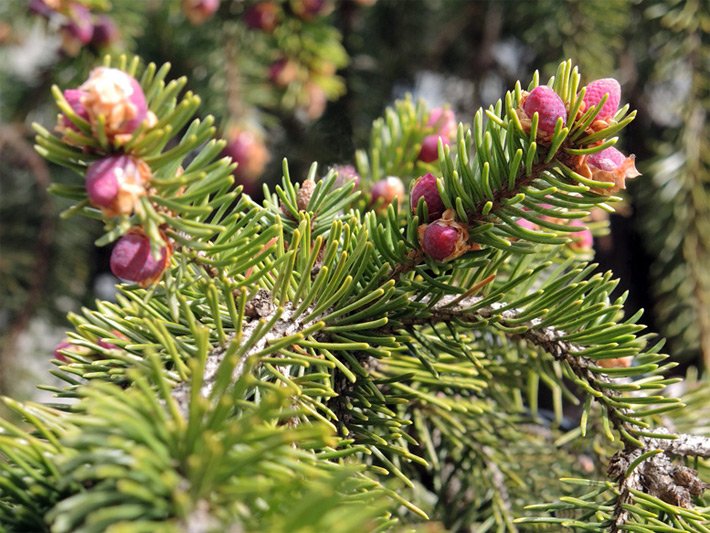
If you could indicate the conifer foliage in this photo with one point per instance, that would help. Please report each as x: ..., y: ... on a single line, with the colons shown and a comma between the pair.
x: 344, y: 357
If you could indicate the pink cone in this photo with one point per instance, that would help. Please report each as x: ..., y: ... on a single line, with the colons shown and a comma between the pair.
x: 263, y: 16
x: 346, y: 174
x: 608, y: 159
x: 64, y: 345
x: 115, y: 183
x: 106, y: 345
x: 131, y: 259
x: 117, y: 97
x: 425, y: 187
x: 429, y: 151
x: 309, y: 9
x: 444, y: 239
x: 583, y: 239
x: 199, y: 11
x: 39, y: 7
x: 596, y: 91
x: 79, y: 25
x: 386, y: 190
x: 249, y: 151
x: 105, y: 32
x: 73, y: 98
x: 610, y: 166
x: 549, y: 107
x: 526, y: 224
x: 443, y: 121
x: 282, y: 72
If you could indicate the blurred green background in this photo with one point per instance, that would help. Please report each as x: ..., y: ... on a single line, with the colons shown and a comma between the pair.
x: 466, y: 53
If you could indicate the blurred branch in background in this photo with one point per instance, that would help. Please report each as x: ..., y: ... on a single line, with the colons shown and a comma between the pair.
x: 24, y: 269
x: 674, y: 205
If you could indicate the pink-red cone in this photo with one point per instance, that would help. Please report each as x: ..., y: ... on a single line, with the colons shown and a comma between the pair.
x: 385, y: 191
x: 425, y: 187
x: 115, y: 183
x: 115, y: 97
x: 611, y: 166
x: 596, y: 90
x: 131, y: 259
x: 548, y: 105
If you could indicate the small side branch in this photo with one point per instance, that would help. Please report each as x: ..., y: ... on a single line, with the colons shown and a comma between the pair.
x: 477, y: 217
x: 657, y: 475
x: 259, y: 309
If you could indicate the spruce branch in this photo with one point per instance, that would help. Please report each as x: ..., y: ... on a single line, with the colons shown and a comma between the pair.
x: 552, y: 341
x: 278, y: 355
x: 270, y: 326
x: 504, y: 172
x: 649, y: 470
x: 479, y: 215
x: 651, y: 473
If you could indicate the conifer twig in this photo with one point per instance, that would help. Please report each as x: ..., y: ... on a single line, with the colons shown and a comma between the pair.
x: 260, y: 310
x: 655, y: 475
x: 548, y: 338
x: 477, y: 216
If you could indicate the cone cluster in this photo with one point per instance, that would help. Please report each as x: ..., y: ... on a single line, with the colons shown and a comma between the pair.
x: 115, y: 107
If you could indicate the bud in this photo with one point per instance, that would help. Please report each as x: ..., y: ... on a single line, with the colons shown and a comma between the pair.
x: 115, y: 184
x: 425, y: 187
x: 117, y: 97
x: 78, y: 28
x: 596, y: 91
x: 283, y: 72
x: 304, y: 194
x: 581, y: 240
x: 248, y: 150
x: 64, y: 345
x: 430, y: 148
x: 443, y: 120
x: 131, y: 259
x: 73, y: 98
x: 199, y: 11
x: 444, y: 239
x: 316, y: 101
x: 105, y: 32
x: 385, y: 191
x: 346, y: 174
x: 309, y: 9
x: 610, y: 166
x: 263, y: 16
x: 548, y: 105
x: 615, y: 362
